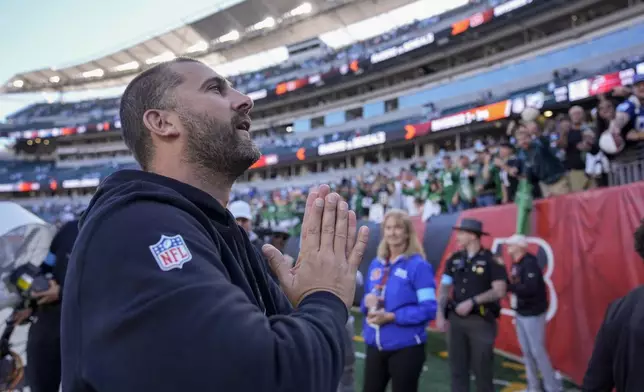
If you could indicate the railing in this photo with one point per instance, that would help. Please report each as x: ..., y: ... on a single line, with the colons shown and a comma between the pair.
x: 626, y: 173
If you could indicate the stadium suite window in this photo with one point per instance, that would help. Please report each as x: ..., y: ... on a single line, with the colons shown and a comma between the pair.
x: 354, y: 114
x: 317, y: 122
x: 391, y: 105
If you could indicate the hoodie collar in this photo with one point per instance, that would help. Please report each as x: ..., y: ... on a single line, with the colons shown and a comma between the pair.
x: 204, y: 201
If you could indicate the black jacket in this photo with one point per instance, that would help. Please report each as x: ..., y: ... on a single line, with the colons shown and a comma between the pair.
x: 530, y: 288
x: 59, y: 251
x: 165, y: 292
x: 618, y: 357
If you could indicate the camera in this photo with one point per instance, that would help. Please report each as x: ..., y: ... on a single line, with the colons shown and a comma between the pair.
x: 25, y: 280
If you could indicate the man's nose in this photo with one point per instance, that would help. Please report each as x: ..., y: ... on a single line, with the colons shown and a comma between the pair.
x: 243, y: 104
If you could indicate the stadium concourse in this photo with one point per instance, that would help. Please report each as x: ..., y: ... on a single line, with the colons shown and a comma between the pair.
x: 409, y: 105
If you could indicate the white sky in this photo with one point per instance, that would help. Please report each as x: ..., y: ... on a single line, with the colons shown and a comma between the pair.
x: 38, y: 33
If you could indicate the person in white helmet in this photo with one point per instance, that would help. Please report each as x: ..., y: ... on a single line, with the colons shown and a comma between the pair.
x: 244, y: 217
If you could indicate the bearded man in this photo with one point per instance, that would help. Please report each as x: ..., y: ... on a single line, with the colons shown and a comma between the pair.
x: 164, y: 290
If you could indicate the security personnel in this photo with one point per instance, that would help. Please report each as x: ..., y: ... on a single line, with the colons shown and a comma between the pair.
x: 479, y: 281
x: 43, y: 371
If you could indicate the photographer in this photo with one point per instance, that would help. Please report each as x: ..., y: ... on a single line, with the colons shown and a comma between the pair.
x: 43, y: 345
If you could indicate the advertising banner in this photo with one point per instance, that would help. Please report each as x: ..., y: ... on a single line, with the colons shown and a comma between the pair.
x: 373, y: 139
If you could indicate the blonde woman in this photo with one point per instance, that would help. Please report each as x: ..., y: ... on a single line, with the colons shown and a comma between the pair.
x: 400, y: 300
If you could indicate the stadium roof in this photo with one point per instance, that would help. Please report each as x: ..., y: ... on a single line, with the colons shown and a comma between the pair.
x: 260, y: 25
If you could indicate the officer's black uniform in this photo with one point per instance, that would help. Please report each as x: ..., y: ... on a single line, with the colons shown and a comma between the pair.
x: 43, y: 345
x: 471, y: 338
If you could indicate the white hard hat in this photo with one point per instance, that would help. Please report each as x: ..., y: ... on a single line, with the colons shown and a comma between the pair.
x: 240, y: 210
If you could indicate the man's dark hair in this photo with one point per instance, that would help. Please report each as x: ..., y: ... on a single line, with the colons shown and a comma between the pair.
x: 639, y: 239
x: 508, y: 145
x: 151, y: 89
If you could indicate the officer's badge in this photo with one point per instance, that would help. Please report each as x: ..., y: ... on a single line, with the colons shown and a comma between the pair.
x: 171, y: 252
x: 376, y: 274
x: 479, y: 270
x: 473, y: 268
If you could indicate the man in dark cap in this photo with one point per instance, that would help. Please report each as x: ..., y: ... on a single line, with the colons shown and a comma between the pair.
x: 479, y: 281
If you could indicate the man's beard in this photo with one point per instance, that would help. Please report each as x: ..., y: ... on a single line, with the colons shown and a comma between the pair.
x: 217, y: 148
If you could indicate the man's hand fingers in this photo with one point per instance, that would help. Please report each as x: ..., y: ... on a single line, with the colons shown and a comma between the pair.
x: 355, y: 258
x: 351, y: 233
x: 276, y: 261
x: 323, y: 191
x: 314, y: 193
x: 341, y: 229
x: 311, y: 242
x: 328, y: 221
x: 308, y: 210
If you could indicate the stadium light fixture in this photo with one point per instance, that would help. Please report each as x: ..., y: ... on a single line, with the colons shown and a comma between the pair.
x: 132, y: 65
x: 232, y: 36
x: 95, y: 73
x: 264, y: 24
x: 54, y: 79
x: 198, y: 47
x: 303, y: 9
x: 166, y: 56
x: 18, y: 83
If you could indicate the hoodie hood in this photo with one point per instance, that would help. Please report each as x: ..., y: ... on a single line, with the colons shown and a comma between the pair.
x: 127, y: 186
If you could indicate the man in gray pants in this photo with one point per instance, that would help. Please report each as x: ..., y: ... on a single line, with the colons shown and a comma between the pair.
x: 526, y: 282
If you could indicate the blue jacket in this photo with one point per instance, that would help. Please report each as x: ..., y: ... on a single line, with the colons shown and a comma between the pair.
x: 410, y: 294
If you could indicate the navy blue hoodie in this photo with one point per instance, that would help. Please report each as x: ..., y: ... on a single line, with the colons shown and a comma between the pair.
x: 165, y: 292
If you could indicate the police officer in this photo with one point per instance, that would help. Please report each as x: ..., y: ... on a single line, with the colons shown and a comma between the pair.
x: 43, y: 371
x: 479, y: 281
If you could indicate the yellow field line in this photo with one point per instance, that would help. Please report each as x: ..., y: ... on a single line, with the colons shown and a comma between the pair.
x: 512, y: 365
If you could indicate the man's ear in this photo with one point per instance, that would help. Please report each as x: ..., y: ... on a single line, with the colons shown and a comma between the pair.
x: 161, y: 123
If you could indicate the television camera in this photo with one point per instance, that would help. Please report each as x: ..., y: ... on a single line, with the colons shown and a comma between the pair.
x: 24, y: 240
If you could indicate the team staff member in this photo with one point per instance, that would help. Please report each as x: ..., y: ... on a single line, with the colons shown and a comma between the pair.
x: 165, y: 292
x: 527, y: 284
x: 618, y: 357
x: 244, y: 217
x: 400, y: 302
x: 43, y: 343
x: 479, y: 281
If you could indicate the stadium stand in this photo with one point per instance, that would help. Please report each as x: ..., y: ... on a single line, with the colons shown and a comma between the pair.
x: 384, y: 151
x: 379, y: 118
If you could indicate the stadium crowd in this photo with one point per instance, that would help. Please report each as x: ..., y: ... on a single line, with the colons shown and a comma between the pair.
x: 559, y: 154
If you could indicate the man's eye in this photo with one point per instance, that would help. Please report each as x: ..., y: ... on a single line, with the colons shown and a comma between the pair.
x: 214, y: 88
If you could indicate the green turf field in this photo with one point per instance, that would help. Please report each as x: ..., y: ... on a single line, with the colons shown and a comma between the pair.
x: 509, y: 375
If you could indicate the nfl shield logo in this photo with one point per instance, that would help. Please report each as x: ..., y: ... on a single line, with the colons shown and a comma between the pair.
x: 171, y: 252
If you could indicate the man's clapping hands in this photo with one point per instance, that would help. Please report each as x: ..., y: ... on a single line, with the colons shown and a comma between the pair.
x: 330, y: 252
